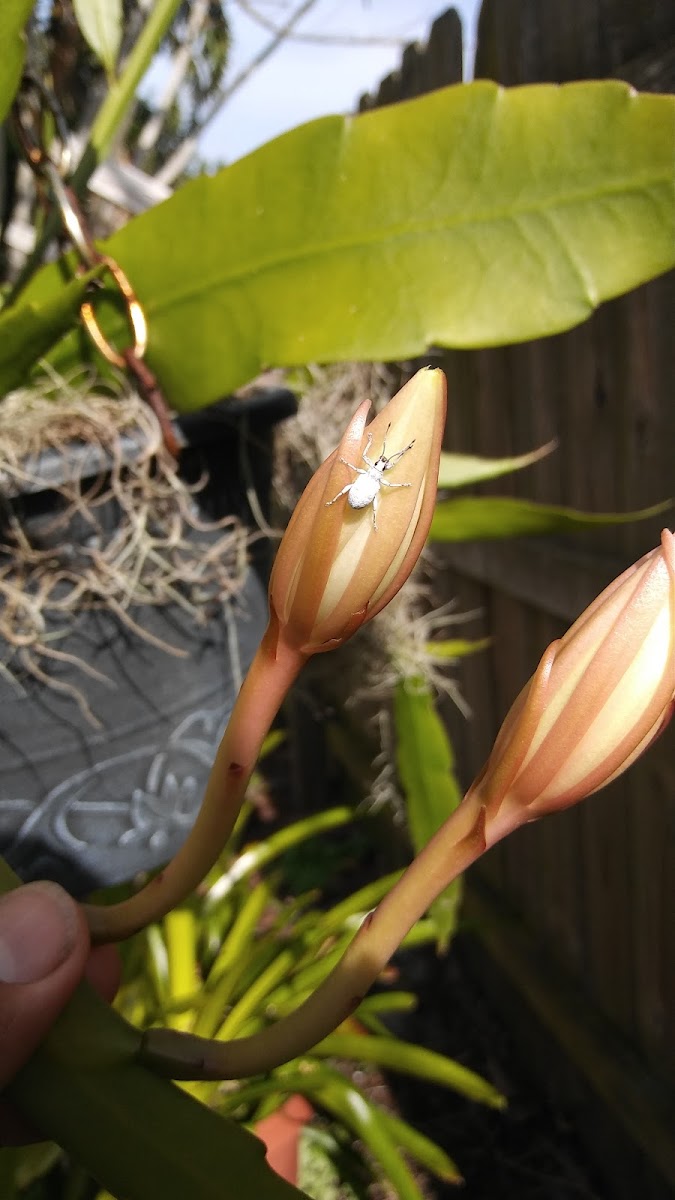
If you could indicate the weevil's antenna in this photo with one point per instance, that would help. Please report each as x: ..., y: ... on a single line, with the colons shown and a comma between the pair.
x: 399, y: 454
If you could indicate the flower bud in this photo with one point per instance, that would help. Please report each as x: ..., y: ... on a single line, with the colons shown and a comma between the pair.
x: 336, y: 567
x: 597, y: 700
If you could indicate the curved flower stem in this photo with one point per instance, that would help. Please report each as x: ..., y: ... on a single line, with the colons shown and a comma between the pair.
x: 457, y: 844
x: 273, y: 670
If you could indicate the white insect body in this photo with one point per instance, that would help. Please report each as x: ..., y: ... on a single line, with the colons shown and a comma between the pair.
x: 365, y: 489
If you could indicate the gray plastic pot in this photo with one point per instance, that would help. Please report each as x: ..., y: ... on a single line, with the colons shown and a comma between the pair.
x: 93, y: 807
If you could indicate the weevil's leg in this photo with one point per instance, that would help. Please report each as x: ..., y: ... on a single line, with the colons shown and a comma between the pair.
x: 386, y: 483
x: 359, y: 470
x: 376, y: 502
x: 344, y: 491
x: 364, y: 456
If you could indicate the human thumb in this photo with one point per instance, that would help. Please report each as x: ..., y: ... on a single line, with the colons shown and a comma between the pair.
x: 43, y: 950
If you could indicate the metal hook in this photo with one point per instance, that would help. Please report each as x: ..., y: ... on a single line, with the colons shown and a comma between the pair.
x: 135, y: 314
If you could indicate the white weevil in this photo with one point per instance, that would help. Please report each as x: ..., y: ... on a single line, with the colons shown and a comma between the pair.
x: 365, y: 489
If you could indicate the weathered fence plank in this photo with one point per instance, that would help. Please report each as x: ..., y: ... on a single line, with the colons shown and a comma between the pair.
x: 595, y: 885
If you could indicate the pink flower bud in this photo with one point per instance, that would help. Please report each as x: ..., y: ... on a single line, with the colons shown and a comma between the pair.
x: 597, y: 700
x: 336, y: 566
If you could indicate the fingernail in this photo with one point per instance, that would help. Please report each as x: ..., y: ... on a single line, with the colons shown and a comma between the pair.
x: 38, y: 929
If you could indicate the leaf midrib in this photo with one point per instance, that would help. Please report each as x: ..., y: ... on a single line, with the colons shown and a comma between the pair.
x: 388, y: 233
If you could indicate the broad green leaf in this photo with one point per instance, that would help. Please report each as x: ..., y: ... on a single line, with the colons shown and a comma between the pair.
x: 13, y: 17
x: 28, y: 330
x: 471, y: 216
x: 100, y: 23
x: 459, y: 470
x: 411, y: 1060
x: 137, y: 1128
x: 475, y: 518
x: 426, y: 770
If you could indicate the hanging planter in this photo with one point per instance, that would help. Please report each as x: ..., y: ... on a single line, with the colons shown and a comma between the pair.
x: 129, y: 613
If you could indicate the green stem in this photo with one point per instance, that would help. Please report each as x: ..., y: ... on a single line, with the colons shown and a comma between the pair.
x: 138, y: 1135
x: 269, y: 678
x: 114, y: 107
x: 180, y: 931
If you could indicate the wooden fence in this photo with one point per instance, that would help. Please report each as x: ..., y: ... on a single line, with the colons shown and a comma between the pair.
x: 589, y: 895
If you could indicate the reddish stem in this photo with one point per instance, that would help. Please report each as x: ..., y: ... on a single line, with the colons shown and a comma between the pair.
x: 269, y: 678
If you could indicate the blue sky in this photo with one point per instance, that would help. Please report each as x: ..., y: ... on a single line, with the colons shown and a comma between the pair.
x: 301, y: 81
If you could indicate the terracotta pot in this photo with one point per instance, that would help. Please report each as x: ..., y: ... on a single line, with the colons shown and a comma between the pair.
x: 281, y: 1133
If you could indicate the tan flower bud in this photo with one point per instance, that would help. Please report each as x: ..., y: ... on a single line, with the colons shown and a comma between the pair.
x: 597, y: 700
x: 335, y: 568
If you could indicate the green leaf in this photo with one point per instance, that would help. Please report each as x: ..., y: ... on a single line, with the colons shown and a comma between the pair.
x: 426, y: 1152
x: 28, y: 330
x: 510, y: 214
x: 330, y: 1090
x: 273, y: 740
x: 34, y: 1161
x: 236, y: 942
x: 350, y: 1106
x: 319, y: 926
x: 126, y: 1126
x: 180, y: 930
x: 422, y: 932
x: 100, y: 23
x: 474, y: 518
x: 426, y: 769
x: 144, y: 1138
x: 388, y: 1002
x: 458, y: 470
x: 13, y: 17
x: 256, y: 993
x: 327, y: 1087
x: 453, y: 648
x: 412, y: 1060
x: 260, y: 854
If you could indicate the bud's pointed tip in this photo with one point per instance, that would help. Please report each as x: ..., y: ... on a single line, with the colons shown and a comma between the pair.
x: 434, y: 379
